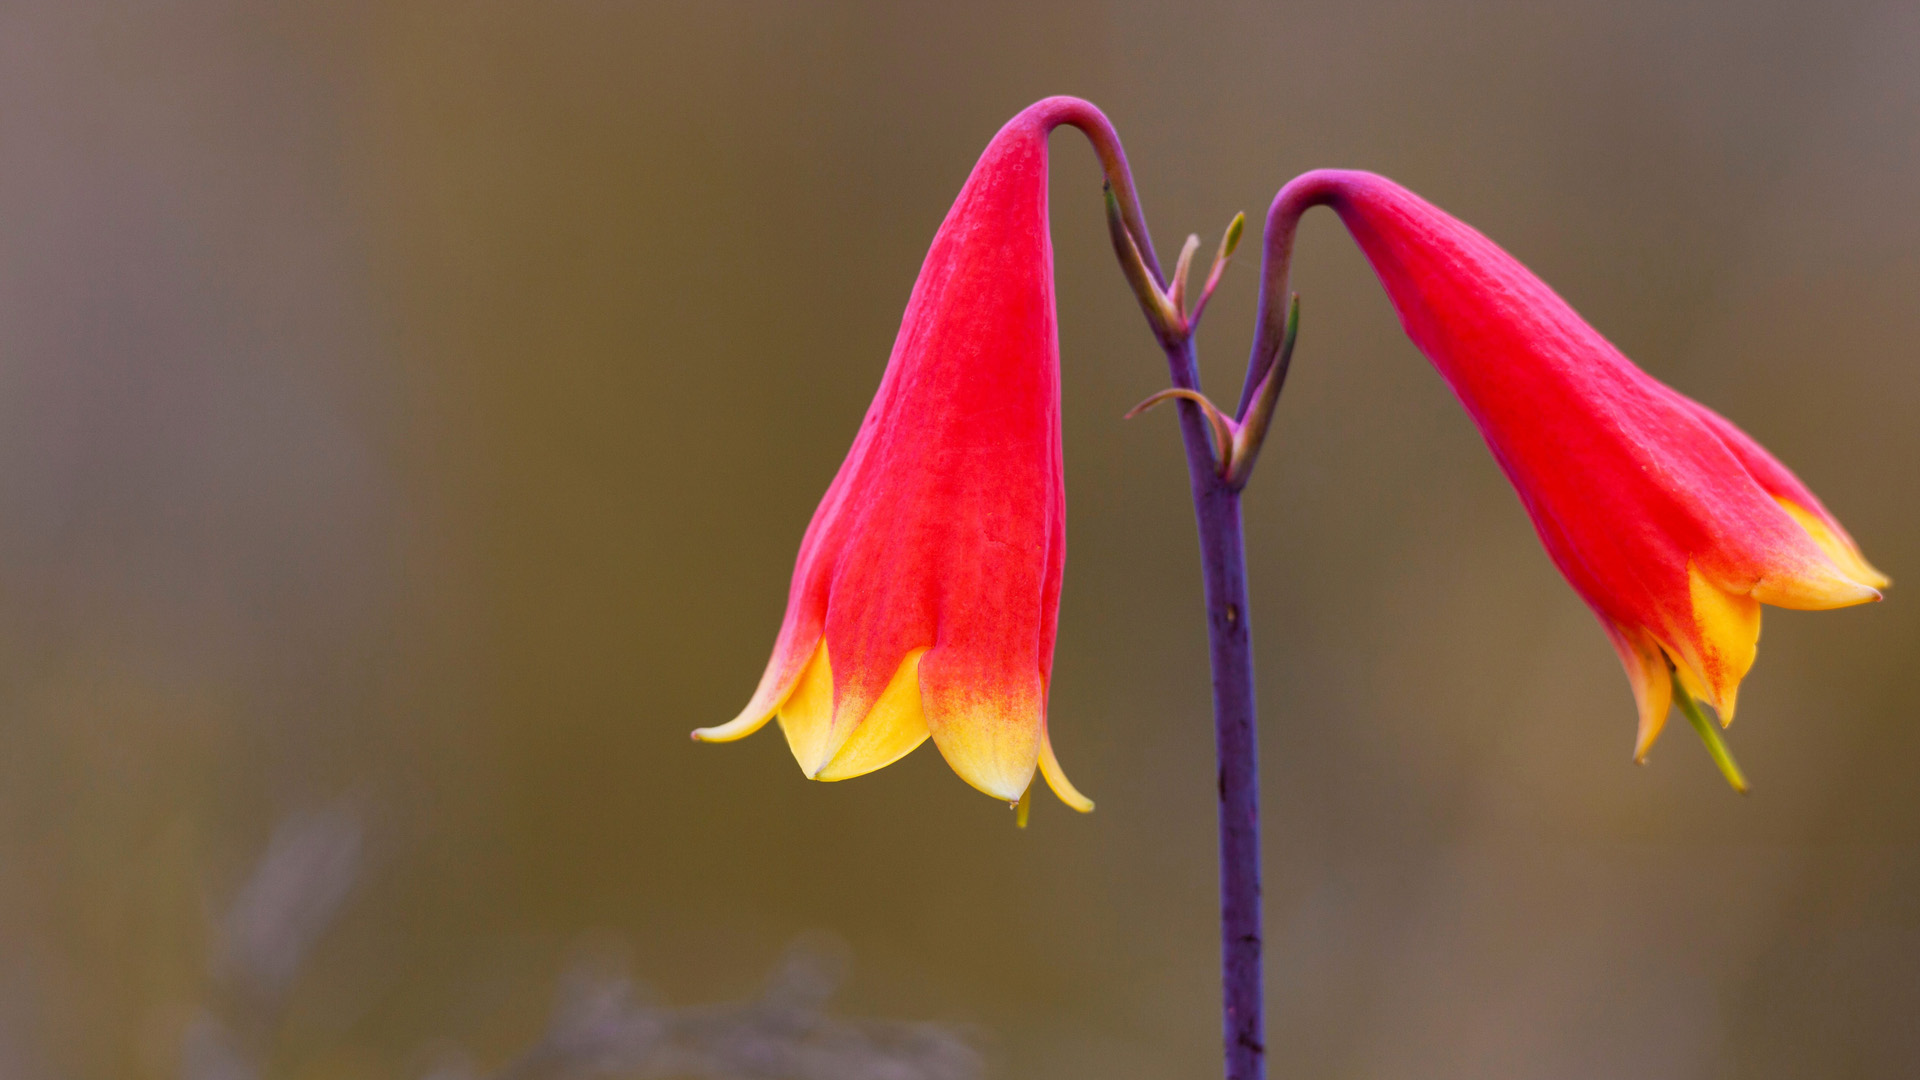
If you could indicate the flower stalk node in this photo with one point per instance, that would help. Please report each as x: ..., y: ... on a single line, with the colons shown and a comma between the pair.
x: 1166, y: 307
x: 1237, y: 443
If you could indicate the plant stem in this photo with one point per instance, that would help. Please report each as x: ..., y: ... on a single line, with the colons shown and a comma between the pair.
x: 1223, y: 563
x: 1216, y: 509
x: 1716, y: 746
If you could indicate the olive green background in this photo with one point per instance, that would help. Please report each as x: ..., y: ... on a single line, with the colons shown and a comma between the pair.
x: 419, y: 405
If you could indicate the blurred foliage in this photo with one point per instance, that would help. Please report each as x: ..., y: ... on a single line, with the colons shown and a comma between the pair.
x: 601, y: 1025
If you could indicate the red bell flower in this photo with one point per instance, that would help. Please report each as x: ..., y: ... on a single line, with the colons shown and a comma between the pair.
x: 1670, y: 522
x: 926, y: 594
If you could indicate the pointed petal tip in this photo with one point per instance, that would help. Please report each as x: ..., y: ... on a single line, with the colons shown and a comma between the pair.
x: 987, y: 726
x: 1713, y: 656
x: 737, y: 728
x: 1824, y: 590
x: 1056, y: 778
x: 1651, y: 678
x: 1861, y: 592
x: 1866, y: 574
x: 986, y: 770
x: 1653, y: 720
x: 1001, y: 787
x: 1848, y: 563
x: 1642, y: 747
x: 777, y: 684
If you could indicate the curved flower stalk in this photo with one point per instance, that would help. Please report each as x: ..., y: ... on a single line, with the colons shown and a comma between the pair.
x: 926, y: 594
x: 1672, y: 524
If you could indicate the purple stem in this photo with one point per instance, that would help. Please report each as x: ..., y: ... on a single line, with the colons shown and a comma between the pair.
x: 1223, y: 562
x: 1223, y: 565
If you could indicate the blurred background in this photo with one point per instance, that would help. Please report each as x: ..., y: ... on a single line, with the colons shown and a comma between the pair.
x: 409, y: 413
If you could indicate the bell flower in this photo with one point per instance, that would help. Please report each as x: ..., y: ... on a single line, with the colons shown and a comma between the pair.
x: 927, y: 590
x: 1672, y: 524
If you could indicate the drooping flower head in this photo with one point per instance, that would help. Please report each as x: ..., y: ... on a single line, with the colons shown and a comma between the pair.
x: 927, y: 589
x: 1670, y: 522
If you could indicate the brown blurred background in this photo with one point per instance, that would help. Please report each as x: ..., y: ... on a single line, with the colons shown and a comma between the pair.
x: 409, y: 413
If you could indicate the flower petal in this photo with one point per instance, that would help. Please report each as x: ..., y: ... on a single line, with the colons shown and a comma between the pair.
x: 894, y: 728
x: 1672, y: 523
x: 807, y: 715
x: 1717, y: 651
x: 1840, y: 548
x: 1057, y: 780
x: 986, y: 721
x: 776, y: 684
x: 1652, y: 681
x: 750, y: 720
x: 1799, y: 503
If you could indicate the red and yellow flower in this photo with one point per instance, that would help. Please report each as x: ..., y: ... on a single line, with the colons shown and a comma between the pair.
x: 927, y: 589
x: 1670, y: 522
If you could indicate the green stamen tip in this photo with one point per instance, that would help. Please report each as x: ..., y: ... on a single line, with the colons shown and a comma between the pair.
x: 1710, y: 735
x: 1022, y: 808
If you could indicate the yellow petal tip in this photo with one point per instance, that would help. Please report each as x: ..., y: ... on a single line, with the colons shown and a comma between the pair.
x: 1712, y: 656
x: 1642, y: 748
x: 1057, y: 779
x: 1840, y: 550
x: 738, y: 728
x: 989, y: 738
x: 1651, y: 677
